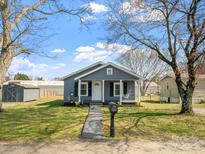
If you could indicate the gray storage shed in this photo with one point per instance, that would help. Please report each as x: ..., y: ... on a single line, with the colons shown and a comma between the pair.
x: 15, y: 92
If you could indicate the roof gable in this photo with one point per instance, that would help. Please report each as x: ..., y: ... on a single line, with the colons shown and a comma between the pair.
x: 84, y: 69
x: 123, y: 69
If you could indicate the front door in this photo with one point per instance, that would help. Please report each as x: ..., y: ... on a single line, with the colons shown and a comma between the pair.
x: 96, y: 90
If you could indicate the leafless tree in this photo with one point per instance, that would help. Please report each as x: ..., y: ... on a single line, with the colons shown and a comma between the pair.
x: 174, y: 29
x: 21, y: 20
x: 145, y: 63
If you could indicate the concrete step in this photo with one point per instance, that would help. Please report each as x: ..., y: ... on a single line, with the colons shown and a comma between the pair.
x: 96, y: 103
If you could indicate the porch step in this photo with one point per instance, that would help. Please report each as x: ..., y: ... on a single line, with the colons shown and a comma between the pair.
x: 96, y: 103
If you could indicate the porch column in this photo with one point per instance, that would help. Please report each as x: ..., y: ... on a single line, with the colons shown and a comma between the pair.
x: 103, y: 91
x: 136, y: 90
x: 79, y: 95
x: 121, y: 92
x: 139, y: 93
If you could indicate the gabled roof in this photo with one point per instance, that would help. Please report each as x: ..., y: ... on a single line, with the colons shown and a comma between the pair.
x: 111, y: 64
x: 83, y: 69
x: 26, y: 86
x: 36, y: 82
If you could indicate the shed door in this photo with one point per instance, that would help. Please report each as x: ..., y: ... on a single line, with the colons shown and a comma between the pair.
x: 96, y: 90
x: 12, y: 93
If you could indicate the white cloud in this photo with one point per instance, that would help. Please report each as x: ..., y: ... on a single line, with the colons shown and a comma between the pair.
x: 141, y: 11
x: 88, y: 18
x: 59, y: 66
x: 85, y: 49
x: 96, y: 8
x: 25, y: 66
x: 100, y: 51
x: 58, y: 51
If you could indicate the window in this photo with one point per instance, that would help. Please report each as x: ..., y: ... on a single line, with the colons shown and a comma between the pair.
x: 84, y: 89
x: 109, y: 71
x: 116, y: 89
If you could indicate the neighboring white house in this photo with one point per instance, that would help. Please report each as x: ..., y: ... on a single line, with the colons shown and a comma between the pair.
x: 153, y: 89
x: 169, y: 91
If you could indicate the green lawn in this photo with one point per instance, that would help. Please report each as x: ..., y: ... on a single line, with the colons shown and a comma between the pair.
x: 155, y: 121
x: 45, y: 119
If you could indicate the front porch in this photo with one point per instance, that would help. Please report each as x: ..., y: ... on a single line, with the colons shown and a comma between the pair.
x: 105, y: 91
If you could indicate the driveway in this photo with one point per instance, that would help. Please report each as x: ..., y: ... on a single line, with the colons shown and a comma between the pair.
x: 181, y: 146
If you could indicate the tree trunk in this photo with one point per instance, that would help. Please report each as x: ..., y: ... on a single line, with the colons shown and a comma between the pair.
x: 186, y: 90
x: 143, y: 88
x: 142, y: 92
x: 5, y: 62
x: 186, y: 99
x: 6, y: 55
x: 186, y: 107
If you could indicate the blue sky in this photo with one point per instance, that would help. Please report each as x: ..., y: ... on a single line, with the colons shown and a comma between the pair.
x: 69, y: 41
x: 75, y: 45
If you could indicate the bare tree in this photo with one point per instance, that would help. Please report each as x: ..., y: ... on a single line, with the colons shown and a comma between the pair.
x: 174, y: 29
x: 145, y: 63
x: 21, y: 20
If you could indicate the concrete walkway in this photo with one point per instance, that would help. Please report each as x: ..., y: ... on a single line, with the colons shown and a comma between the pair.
x: 93, y: 128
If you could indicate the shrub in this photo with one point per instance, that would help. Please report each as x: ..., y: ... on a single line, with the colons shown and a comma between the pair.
x: 77, y: 103
x: 119, y: 103
x: 68, y: 97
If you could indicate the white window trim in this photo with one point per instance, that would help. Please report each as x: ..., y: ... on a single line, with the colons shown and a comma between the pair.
x: 85, y: 83
x: 116, y: 83
x: 109, y: 69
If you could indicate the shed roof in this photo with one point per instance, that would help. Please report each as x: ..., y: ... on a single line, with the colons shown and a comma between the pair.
x: 37, y: 83
x: 26, y: 86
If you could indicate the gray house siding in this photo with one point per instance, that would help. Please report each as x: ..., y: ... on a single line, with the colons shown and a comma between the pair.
x: 130, y: 92
x: 102, y: 75
x: 69, y: 83
x: 107, y: 91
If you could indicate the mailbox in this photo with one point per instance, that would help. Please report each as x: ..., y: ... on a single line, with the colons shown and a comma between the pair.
x: 113, y: 107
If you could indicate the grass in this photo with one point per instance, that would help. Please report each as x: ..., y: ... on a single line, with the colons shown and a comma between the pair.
x: 150, y: 98
x: 45, y: 119
x: 154, y: 121
x: 48, y: 120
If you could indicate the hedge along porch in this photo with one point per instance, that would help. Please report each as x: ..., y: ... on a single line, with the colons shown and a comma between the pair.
x: 103, y: 82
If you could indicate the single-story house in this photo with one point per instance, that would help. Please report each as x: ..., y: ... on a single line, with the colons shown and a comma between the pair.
x: 102, y: 82
x: 16, y: 92
x: 169, y: 91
